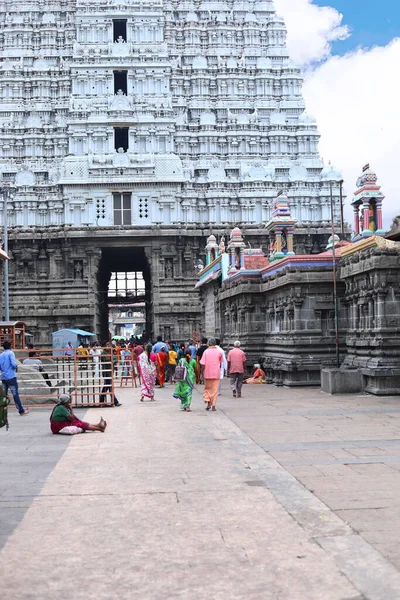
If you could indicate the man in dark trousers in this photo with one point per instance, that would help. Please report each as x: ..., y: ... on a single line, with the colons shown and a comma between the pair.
x: 9, y: 368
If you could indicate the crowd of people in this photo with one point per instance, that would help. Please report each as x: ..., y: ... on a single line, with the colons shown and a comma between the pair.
x: 182, y: 365
x: 186, y: 365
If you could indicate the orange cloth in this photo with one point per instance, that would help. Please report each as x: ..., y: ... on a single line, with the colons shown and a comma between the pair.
x: 162, y: 360
x: 258, y: 376
x: 211, y: 387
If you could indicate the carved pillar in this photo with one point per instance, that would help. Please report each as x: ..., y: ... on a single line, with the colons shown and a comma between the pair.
x: 380, y: 309
x: 366, y: 216
x: 370, y: 313
x: 241, y: 258
x: 278, y: 241
x: 379, y: 220
x: 356, y: 215
x: 297, y: 314
x: 290, y: 241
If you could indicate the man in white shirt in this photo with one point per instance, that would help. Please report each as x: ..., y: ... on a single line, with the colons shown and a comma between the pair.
x: 224, y: 364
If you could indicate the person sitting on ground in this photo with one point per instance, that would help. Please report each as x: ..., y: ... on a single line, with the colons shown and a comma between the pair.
x: 258, y: 376
x: 63, y: 420
x: 35, y: 362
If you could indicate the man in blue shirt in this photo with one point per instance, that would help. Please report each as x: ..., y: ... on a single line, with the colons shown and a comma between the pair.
x: 193, y: 349
x: 9, y: 368
x: 160, y: 344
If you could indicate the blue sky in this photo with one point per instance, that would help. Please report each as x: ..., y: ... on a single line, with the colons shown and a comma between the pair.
x: 372, y: 22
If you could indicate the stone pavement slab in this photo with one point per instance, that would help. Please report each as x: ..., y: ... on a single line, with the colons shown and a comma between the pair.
x: 352, y: 469
x: 168, y: 504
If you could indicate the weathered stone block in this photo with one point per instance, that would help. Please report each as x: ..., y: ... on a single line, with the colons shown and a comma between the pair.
x: 341, y: 381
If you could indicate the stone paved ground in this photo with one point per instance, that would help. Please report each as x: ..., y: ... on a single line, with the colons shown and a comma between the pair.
x: 206, y: 505
x: 344, y: 449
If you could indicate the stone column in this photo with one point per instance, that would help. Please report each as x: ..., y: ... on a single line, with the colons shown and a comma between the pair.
x: 297, y: 315
x: 356, y: 220
x: 379, y: 220
x: 242, y: 258
x: 290, y: 241
x: 380, y: 309
x: 278, y: 240
x: 366, y: 208
x: 370, y: 313
x: 232, y: 258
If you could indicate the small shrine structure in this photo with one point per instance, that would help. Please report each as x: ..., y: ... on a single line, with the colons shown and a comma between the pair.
x: 280, y: 230
x: 212, y: 249
x: 236, y: 248
x: 367, y: 206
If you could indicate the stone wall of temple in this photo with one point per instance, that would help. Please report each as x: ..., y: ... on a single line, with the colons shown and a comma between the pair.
x: 372, y: 302
x: 285, y: 316
x: 57, y: 280
x: 287, y: 319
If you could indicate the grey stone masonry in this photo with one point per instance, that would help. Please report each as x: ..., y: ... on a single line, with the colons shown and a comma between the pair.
x: 372, y: 301
x: 287, y: 318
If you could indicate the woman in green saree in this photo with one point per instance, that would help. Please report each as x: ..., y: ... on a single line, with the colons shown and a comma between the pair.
x: 184, y: 389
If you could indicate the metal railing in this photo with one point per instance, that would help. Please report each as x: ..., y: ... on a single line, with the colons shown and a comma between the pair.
x: 126, y: 368
x: 45, y: 374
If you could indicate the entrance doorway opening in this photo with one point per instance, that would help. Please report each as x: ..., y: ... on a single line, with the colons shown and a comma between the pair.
x: 125, y: 294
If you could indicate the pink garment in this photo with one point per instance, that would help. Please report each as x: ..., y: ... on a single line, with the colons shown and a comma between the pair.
x: 236, y: 358
x: 212, y: 359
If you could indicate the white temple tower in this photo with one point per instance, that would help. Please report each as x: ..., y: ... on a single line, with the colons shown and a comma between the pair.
x: 131, y: 129
x: 134, y: 112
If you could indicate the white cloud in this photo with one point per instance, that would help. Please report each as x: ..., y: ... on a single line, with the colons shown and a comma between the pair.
x: 311, y: 29
x: 353, y: 97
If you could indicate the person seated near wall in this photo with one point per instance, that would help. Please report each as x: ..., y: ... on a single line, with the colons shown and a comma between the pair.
x: 63, y: 420
x: 34, y: 361
x: 258, y: 376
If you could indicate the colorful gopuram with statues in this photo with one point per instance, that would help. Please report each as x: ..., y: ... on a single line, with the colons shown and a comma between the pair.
x: 281, y: 305
x: 367, y: 205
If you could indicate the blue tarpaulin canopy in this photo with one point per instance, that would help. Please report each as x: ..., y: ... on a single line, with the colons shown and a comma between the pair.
x: 76, y: 331
x: 75, y: 336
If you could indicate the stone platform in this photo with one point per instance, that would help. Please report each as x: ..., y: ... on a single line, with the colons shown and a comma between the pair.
x: 284, y: 494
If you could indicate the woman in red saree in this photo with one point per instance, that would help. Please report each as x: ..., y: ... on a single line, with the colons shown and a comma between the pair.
x: 162, y: 362
x: 63, y: 420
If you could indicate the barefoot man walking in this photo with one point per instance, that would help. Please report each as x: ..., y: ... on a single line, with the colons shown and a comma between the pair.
x: 211, y: 367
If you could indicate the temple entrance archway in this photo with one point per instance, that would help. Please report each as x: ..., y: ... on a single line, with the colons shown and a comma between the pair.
x: 124, y: 292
